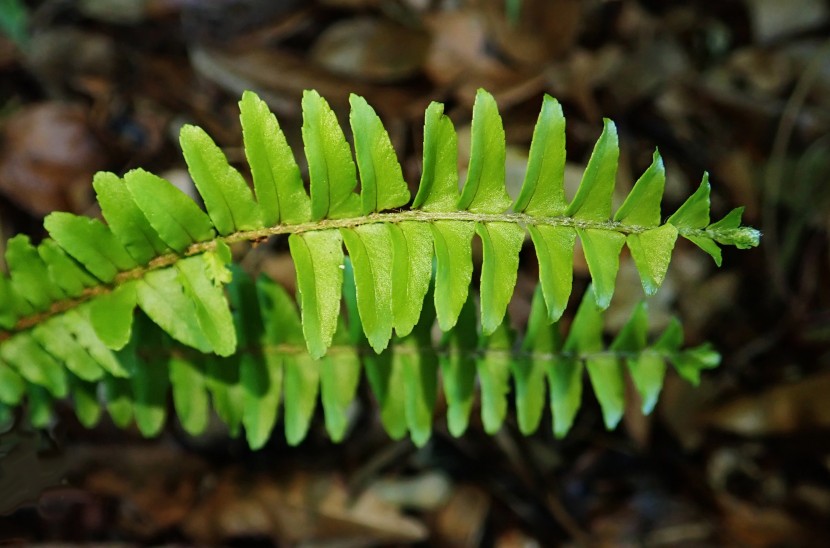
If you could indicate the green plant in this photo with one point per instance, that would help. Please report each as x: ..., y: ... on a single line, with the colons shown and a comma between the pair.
x: 68, y: 306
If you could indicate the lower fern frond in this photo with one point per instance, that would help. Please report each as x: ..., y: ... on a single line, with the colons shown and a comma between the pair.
x: 272, y: 365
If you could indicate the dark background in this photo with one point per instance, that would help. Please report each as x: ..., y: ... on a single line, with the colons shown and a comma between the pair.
x: 739, y: 88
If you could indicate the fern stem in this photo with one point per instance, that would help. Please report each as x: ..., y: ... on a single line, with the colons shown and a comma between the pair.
x: 260, y: 235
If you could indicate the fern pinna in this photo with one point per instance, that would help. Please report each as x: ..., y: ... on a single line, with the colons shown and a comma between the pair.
x: 67, y: 306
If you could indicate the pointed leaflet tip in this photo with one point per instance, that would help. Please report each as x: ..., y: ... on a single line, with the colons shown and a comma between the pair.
x: 227, y: 197
x: 331, y: 169
x: 484, y: 190
x: 381, y: 180
x: 593, y: 198
x: 438, y: 190
x: 277, y: 182
x: 694, y: 213
x: 642, y: 205
x: 543, y: 191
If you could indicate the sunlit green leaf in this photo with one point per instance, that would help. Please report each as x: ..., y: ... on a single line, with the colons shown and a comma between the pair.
x: 484, y: 190
x: 277, y: 181
x: 642, y: 205
x: 173, y: 215
x: 543, y: 191
x: 229, y: 201
x: 593, y: 198
x: 330, y: 165
x: 381, y: 180
x: 111, y: 315
x: 125, y: 219
x: 438, y: 190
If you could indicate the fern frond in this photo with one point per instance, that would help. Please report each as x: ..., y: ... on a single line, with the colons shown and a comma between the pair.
x: 272, y: 365
x: 70, y: 301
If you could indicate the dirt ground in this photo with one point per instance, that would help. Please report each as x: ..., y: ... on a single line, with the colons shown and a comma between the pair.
x: 738, y: 88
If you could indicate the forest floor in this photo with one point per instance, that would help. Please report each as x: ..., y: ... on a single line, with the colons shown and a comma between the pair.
x: 738, y: 88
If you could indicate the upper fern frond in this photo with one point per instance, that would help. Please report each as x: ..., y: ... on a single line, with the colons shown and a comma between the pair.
x: 161, y: 252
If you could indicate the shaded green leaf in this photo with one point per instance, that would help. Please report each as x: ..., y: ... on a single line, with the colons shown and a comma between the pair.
x: 111, y: 315
x: 647, y: 369
x: 190, y: 396
x: 330, y: 165
x: 12, y: 386
x: 176, y: 218
x: 540, y: 342
x: 543, y: 190
x: 227, y: 197
x: 602, y: 253
x: 458, y: 369
x: 454, y: 268
x: 420, y: 381
x: 119, y: 398
x: 34, y: 364
x: 493, y: 368
x: 484, y: 190
x: 261, y: 380
x: 339, y: 377
x: 501, y: 243
x: 209, y: 303
x: 651, y: 251
x: 301, y: 383
x: 85, y: 400
x: 39, y: 408
x: 149, y: 379
x: 411, y: 271
x: 318, y: 259
x: 555, y: 253
x: 370, y: 250
x: 226, y: 392
x: 606, y: 376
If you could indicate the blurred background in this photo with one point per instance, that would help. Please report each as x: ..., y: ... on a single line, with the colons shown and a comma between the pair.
x: 739, y: 88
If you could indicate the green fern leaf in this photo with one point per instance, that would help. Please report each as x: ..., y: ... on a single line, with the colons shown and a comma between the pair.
x: 125, y: 219
x: 111, y: 315
x: 318, y: 259
x: 593, y: 198
x: 91, y: 243
x: 228, y: 199
x: 177, y: 220
x: 484, y: 190
x: 381, y: 181
x: 543, y: 189
x: 277, y: 181
x: 438, y: 190
x: 330, y: 166
x: 370, y: 250
x: 454, y: 269
x: 411, y: 270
